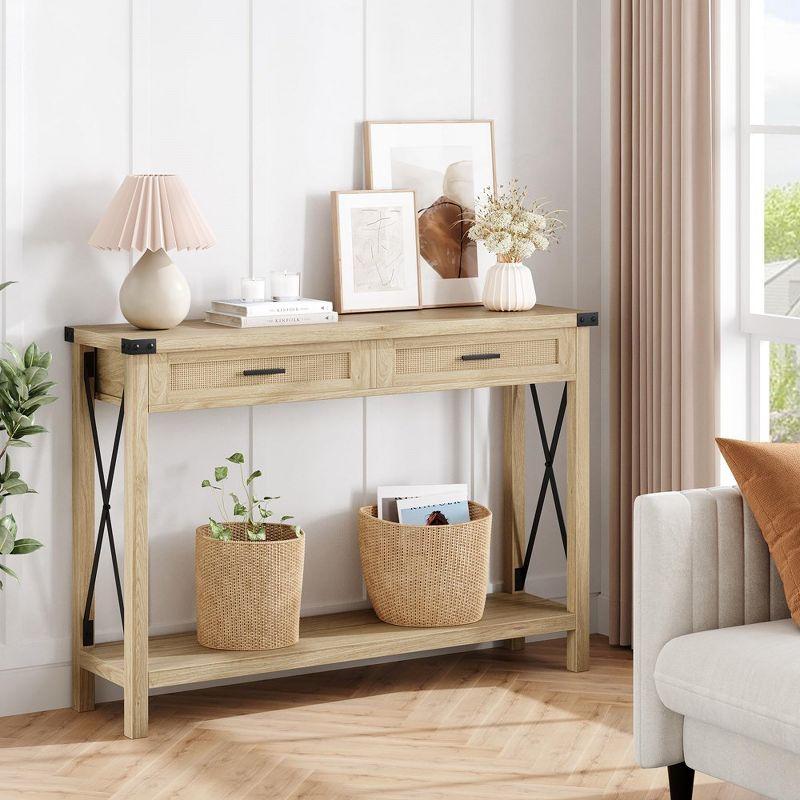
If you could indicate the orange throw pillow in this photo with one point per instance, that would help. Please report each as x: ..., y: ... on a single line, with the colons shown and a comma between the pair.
x: 768, y: 475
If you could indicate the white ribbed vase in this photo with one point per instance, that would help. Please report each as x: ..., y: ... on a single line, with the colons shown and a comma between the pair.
x: 509, y: 287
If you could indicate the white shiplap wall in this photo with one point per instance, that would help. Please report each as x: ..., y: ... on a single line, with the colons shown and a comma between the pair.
x: 258, y: 105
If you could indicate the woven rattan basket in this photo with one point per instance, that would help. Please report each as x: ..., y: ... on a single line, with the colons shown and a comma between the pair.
x: 248, y: 593
x: 426, y: 576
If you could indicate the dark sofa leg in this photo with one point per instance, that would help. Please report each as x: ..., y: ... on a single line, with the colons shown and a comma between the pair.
x: 681, y: 781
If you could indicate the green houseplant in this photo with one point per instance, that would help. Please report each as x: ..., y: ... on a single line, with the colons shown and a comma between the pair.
x: 248, y: 569
x: 250, y: 510
x: 24, y: 388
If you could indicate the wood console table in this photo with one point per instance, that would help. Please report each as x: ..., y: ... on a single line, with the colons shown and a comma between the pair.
x: 198, y: 365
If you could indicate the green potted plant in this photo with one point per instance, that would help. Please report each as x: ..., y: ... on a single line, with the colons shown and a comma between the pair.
x: 248, y: 569
x: 24, y: 389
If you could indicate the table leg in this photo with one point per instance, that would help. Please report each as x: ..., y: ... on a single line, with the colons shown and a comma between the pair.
x: 136, y: 555
x: 578, y: 505
x: 83, y: 528
x: 513, y: 490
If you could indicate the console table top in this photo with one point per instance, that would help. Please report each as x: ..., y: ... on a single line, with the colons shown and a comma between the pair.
x: 196, y: 334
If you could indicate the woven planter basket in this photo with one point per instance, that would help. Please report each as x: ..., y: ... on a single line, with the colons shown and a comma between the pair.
x: 248, y: 593
x: 426, y: 576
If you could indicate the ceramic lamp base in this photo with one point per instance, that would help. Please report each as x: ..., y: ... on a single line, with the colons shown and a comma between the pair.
x: 155, y: 295
x: 509, y: 287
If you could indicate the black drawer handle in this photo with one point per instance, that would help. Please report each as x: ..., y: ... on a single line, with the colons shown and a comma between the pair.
x: 480, y: 356
x: 268, y: 371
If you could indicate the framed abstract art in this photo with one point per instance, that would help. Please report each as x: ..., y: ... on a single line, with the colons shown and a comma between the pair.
x: 375, y: 242
x: 446, y: 164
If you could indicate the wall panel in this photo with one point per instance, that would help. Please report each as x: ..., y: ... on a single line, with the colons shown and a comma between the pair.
x: 307, y: 113
x: 418, y: 58
x: 524, y: 82
x: 198, y: 88
x: 72, y: 120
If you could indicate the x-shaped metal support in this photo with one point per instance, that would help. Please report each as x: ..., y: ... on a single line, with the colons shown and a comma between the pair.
x: 105, y: 490
x: 548, y: 479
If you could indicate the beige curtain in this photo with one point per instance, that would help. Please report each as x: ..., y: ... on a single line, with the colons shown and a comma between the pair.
x: 663, y: 298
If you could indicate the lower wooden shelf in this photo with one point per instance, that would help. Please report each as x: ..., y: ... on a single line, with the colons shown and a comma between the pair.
x: 330, y: 639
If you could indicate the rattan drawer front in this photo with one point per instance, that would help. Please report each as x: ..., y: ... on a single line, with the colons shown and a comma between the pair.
x: 228, y: 373
x: 469, y: 360
x: 499, y: 355
x: 257, y: 375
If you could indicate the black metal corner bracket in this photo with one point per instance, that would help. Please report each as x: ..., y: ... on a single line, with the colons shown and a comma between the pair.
x: 137, y: 347
x: 588, y: 319
x: 89, y: 361
x: 548, y: 479
x: 69, y: 333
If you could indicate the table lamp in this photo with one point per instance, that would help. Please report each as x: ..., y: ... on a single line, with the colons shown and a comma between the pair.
x: 153, y: 214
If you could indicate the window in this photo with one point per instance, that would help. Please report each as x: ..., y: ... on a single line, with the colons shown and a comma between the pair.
x: 784, y: 393
x: 769, y: 202
x: 770, y: 150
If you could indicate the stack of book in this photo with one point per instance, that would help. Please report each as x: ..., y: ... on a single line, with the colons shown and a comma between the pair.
x: 262, y: 313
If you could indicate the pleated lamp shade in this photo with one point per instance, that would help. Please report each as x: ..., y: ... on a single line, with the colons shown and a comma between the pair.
x: 152, y: 212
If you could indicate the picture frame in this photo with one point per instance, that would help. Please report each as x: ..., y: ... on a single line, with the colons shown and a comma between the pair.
x: 447, y: 163
x: 376, y: 246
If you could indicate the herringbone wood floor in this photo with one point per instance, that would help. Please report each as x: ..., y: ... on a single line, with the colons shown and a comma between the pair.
x: 484, y: 724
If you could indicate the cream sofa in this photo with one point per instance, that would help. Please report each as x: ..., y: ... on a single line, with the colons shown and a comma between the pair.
x: 716, y: 659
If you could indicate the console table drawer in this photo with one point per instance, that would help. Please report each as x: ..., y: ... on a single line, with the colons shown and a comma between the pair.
x: 530, y: 355
x: 236, y: 377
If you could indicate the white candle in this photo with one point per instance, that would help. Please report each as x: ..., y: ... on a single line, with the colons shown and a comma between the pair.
x: 254, y: 289
x: 285, y: 285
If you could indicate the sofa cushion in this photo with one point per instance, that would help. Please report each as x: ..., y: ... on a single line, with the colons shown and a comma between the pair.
x: 744, y: 679
x: 768, y: 474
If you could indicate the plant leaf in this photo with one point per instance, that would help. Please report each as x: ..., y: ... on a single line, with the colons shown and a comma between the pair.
x: 239, y: 510
x: 15, y: 486
x: 22, y: 388
x: 205, y: 484
x: 41, y: 388
x: 8, y: 571
x: 220, y: 473
x: 24, y: 546
x: 13, y: 353
x: 236, y: 458
x: 285, y: 517
x: 31, y: 354
x: 220, y: 531
x: 36, y: 401
x: 31, y: 430
x: 253, y: 476
x: 8, y: 532
x: 5, y: 285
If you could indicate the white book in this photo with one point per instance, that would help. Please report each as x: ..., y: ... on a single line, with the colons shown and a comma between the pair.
x: 389, y: 495
x: 440, y: 509
x: 273, y: 320
x: 258, y: 308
